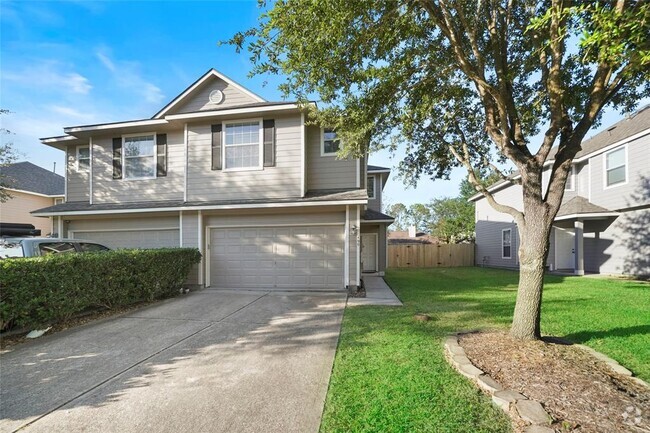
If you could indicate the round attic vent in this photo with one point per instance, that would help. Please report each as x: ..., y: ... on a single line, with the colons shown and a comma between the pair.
x: 216, y: 97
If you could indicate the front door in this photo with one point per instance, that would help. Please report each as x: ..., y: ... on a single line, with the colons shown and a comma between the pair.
x: 369, y: 252
x: 564, y: 249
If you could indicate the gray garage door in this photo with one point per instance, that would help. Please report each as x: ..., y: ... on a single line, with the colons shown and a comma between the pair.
x: 277, y: 257
x: 132, y: 238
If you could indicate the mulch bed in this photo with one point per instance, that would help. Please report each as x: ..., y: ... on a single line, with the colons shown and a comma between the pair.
x: 580, y: 392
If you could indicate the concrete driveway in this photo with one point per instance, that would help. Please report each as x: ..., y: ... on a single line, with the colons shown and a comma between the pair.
x: 210, y: 361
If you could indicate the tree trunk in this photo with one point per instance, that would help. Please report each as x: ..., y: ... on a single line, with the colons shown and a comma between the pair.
x: 533, y: 250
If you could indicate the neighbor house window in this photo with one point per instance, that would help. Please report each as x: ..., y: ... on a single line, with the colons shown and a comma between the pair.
x: 506, y: 243
x: 570, y: 180
x: 83, y: 158
x: 371, y: 187
x: 330, y: 144
x: 242, y: 145
x: 615, y: 167
x: 140, y: 157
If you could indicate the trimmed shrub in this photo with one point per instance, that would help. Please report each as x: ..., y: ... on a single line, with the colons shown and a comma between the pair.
x: 38, y: 291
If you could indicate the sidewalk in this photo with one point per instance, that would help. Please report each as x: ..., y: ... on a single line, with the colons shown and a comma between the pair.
x: 377, y: 293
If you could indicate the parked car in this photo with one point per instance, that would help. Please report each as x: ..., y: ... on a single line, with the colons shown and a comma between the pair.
x: 36, y: 247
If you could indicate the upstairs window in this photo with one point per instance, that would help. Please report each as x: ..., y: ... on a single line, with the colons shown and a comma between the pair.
x: 242, y: 146
x: 570, y: 180
x: 370, y: 187
x: 615, y: 167
x: 506, y: 244
x: 83, y: 158
x: 140, y: 157
x: 330, y: 144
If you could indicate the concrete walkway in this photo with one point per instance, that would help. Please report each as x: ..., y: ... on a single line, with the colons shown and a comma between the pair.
x: 210, y: 361
x: 377, y: 293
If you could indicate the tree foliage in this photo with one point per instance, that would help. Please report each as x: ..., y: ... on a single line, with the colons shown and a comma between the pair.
x: 8, y: 155
x: 465, y: 83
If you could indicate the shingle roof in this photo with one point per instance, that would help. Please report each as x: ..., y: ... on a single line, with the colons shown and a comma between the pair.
x: 579, y: 205
x: 26, y: 176
x: 373, y: 215
x: 621, y: 130
x: 311, y: 196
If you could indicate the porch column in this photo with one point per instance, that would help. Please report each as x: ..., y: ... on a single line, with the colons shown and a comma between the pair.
x: 579, y: 266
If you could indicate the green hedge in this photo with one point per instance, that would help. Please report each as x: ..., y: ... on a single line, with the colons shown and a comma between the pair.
x: 39, y: 291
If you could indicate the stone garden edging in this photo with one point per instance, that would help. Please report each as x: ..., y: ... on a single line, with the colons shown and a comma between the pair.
x: 530, y: 411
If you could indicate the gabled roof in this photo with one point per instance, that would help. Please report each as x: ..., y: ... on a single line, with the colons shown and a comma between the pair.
x: 211, y: 73
x: 25, y: 176
x: 372, y: 215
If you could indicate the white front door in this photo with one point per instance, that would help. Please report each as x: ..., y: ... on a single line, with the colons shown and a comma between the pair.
x: 369, y: 252
x: 564, y: 249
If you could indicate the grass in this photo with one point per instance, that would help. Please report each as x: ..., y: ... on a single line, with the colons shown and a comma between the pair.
x: 390, y: 374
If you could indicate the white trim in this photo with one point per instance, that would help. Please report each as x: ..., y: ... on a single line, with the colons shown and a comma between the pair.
x: 76, y: 158
x: 155, y: 155
x: 358, y: 241
x: 374, y: 187
x: 589, y: 182
x: 145, y: 229
x: 379, y: 171
x: 187, y: 158
x: 60, y: 227
x: 377, y: 221
x: 322, y: 144
x: 303, y: 153
x: 34, y: 193
x: 232, y: 111
x: 358, y: 173
x: 593, y: 215
x: 376, y: 235
x: 346, y: 248
x: 386, y: 246
x: 210, y: 73
x: 90, y: 166
x: 46, y: 140
x: 65, y: 175
x: 214, y: 207
x: 108, y: 126
x: 200, y: 239
x: 503, y: 245
x: 260, y: 137
x: 626, y: 165
x: 210, y: 227
x: 180, y: 229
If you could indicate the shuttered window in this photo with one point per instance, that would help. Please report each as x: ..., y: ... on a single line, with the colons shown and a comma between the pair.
x: 117, y: 158
x: 161, y: 155
x: 216, y: 147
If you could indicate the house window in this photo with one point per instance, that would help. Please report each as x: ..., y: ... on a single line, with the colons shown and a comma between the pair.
x: 371, y: 187
x: 83, y: 158
x: 506, y: 243
x: 242, y: 145
x: 570, y: 180
x: 329, y: 143
x: 140, y: 157
x: 615, y: 167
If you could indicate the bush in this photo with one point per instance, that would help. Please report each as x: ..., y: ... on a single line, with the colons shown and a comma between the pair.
x: 38, y: 291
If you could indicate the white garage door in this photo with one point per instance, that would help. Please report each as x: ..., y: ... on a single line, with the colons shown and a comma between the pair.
x: 277, y: 257
x: 132, y: 238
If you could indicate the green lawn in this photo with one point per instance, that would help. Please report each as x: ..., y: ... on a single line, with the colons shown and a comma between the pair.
x: 390, y: 374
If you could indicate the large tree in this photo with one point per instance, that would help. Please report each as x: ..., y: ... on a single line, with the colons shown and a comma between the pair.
x: 458, y: 81
x: 8, y: 155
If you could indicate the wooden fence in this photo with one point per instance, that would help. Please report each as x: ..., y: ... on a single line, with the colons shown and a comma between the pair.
x: 430, y: 255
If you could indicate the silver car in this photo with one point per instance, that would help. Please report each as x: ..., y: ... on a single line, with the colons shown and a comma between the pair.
x: 37, y: 247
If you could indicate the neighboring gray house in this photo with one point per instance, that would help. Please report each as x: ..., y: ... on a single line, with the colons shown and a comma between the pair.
x: 603, y: 225
x: 258, y: 191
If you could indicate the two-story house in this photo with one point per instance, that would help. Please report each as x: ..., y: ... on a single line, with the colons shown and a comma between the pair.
x: 259, y: 191
x: 603, y: 225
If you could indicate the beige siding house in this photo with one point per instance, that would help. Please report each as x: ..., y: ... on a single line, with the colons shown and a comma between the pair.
x: 603, y: 225
x: 30, y: 187
x: 262, y: 195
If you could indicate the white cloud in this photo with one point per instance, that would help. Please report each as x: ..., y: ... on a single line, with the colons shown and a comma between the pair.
x: 49, y: 75
x: 70, y: 112
x: 127, y: 75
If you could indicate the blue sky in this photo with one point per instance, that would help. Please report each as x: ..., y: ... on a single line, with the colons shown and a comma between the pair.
x: 82, y: 62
